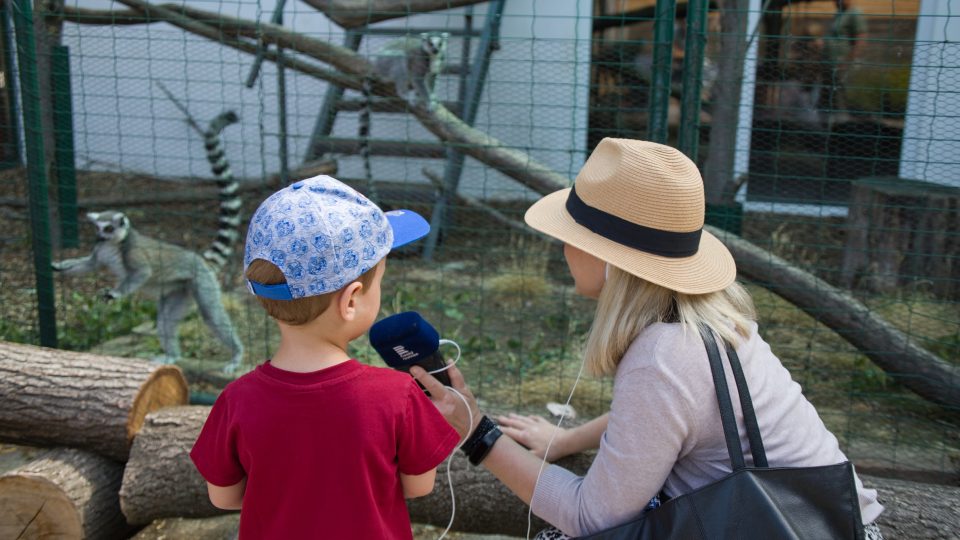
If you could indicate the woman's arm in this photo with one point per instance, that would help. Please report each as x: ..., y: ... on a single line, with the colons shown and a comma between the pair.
x: 642, y: 443
x: 418, y: 485
x: 535, y: 432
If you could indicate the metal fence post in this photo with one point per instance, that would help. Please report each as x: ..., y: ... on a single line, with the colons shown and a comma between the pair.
x: 657, y: 129
x: 689, y: 135
x: 36, y: 176
x: 63, y: 139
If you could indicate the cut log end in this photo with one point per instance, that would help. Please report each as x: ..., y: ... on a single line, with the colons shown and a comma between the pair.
x: 34, y: 507
x: 164, y: 387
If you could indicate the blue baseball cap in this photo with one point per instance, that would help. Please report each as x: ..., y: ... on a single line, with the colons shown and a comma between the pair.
x: 322, y: 234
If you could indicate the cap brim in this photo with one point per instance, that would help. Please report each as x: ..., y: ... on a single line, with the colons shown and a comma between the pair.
x: 711, y: 269
x: 408, y: 226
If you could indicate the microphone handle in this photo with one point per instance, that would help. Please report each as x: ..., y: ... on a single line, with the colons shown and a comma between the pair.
x: 431, y: 363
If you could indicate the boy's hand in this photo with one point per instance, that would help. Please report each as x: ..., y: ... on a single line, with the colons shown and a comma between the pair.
x: 448, y: 403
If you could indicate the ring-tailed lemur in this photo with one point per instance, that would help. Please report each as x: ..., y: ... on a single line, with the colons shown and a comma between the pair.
x: 413, y: 64
x: 172, y: 273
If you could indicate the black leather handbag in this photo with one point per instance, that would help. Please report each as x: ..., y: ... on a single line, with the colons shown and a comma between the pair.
x: 752, y: 502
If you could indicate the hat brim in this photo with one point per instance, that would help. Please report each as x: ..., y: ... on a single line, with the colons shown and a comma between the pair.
x: 711, y: 269
x: 408, y: 226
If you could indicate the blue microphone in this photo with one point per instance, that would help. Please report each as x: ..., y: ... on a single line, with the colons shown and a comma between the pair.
x: 406, y: 339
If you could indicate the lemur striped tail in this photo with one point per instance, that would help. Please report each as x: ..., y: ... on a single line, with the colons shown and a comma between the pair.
x: 363, y: 123
x: 229, y: 223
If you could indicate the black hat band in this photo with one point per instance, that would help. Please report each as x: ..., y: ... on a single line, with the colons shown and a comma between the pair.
x: 621, y: 231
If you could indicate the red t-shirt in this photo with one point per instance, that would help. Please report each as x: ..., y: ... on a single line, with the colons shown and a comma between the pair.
x: 322, y: 451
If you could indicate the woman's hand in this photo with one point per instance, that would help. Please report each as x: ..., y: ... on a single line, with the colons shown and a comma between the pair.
x: 448, y: 403
x: 535, y: 433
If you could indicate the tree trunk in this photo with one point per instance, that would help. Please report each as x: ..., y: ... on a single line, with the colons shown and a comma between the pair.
x: 901, y: 232
x: 160, y: 481
x: 63, y: 398
x: 718, y: 183
x: 64, y: 493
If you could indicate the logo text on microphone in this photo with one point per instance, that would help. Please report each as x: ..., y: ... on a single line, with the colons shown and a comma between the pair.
x: 405, y: 354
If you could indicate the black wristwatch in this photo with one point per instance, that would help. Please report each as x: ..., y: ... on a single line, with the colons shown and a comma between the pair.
x: 478, y: 445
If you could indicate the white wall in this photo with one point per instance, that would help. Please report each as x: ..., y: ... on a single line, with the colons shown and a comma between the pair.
x: 931, y: 135
x: 535, y: 97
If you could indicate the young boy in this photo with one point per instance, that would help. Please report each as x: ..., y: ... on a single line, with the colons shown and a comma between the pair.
x: 312, y: 443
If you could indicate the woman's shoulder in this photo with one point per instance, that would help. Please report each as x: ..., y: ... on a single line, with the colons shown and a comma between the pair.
x: 658, y: 343
x: 669, y: 346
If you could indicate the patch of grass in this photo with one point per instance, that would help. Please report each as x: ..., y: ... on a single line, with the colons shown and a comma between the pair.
x: 91, y: 321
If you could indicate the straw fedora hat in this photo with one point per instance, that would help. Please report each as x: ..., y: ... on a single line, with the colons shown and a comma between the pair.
x: 639, y: 206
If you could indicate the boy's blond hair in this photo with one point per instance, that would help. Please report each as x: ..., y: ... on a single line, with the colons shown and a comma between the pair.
x: 298, y: 311
x: 628, y: 304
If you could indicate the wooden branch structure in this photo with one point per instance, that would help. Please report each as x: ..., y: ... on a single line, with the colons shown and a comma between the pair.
x: 918, y: 369
x: 476, y: 204
x: 440, y: 121
x: 161, y: 481
x: 64, y: 398
x: 355, y: 13
x: 64, y: 493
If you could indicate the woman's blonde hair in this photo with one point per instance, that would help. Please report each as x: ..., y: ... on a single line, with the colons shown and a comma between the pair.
x: 628, y: 304
x: 298, y: 311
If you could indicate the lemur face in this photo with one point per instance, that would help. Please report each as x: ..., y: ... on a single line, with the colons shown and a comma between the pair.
x: 111, y: 226
x: 433, y: 44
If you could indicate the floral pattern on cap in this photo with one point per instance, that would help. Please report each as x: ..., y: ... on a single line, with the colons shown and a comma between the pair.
x: 320, y: 232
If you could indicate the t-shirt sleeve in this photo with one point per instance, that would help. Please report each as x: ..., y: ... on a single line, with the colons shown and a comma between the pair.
x: 425, y: 437
x: 215, y: 453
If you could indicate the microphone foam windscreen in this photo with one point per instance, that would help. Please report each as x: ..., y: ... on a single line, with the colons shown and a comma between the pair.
x: 404, y: 339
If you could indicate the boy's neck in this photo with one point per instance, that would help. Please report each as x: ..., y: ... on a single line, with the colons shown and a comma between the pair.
x: 304, y: 349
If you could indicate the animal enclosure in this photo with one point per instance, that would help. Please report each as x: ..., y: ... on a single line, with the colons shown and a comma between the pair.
x: 839, y: 201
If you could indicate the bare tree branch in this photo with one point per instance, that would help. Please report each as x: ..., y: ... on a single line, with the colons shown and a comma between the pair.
x: 354, y: 13
x: 212, y: 29
x: 921, y: 371
x: 476, y: 204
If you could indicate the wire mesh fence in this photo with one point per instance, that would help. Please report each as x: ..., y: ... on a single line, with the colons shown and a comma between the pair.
x: 827, y: 137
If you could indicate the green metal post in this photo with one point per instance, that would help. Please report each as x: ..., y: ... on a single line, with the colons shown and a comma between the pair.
x: 689, y: 136
x: 9, y: 156
x: 63, y: 139
x: 39, y: 217
x: 666, y: 11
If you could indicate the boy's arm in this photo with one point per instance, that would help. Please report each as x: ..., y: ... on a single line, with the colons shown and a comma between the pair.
x: 231, y: 497
x: 418, y: 485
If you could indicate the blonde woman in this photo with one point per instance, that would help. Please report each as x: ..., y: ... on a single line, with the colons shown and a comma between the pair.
x: 632, y: 228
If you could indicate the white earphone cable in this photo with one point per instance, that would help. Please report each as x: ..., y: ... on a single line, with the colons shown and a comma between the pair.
x: 546, y: 451
x: 453, y: 499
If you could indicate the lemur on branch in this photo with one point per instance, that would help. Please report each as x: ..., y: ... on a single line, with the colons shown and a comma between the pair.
x: 171, y: 273
x: 412, y: 63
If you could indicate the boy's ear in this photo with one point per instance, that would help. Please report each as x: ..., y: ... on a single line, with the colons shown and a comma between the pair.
x: 347, y: 300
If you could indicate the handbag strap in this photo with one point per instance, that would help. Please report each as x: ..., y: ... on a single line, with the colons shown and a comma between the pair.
x: 746, y: 405
x: 727, y: 416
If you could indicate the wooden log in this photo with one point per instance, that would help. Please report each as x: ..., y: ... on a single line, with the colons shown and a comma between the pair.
x: 63, y: 398
x: 900, y: 232
x: 64, y: 493
x: 160, y: 481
